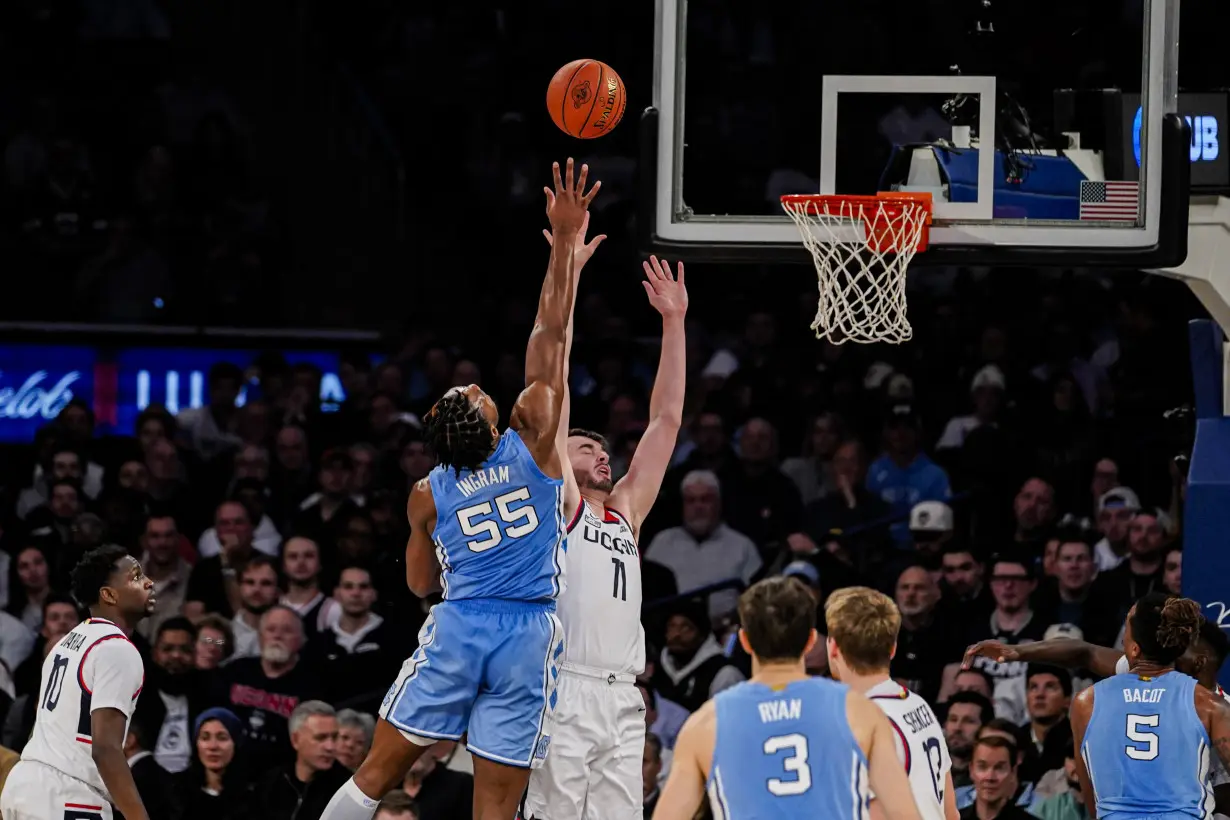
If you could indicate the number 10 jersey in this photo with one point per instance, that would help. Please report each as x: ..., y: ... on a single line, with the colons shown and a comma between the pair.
x: 93, y: 667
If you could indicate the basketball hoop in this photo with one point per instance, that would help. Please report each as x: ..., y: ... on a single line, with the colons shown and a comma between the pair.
x: 862, y: 246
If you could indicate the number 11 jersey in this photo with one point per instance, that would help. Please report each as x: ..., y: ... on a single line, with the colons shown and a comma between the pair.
x: 1146, y: 750
x: 93, y: 667
x: 921, y: 747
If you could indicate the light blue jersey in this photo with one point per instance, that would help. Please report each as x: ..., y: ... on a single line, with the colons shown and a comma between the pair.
x: 500, y: 530
x: 1146, y: 750
x: 489, y: 654
x: 787, y: 753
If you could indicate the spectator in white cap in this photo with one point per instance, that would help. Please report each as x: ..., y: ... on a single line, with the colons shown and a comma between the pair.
x: 1116, y: 509
x: 931, y: 526
x: 987, y: 396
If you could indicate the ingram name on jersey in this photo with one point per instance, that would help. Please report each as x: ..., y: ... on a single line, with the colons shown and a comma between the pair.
x: 921, y: 747
x: 93, y: 667
x: 787, y: 753
x: 1146, y: 750
x: 601, y: 609
x: 500, y: 529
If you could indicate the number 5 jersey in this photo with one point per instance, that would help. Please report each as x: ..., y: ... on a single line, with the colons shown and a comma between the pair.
x: 94, y: 666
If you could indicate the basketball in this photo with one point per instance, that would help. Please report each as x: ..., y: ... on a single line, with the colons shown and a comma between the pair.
x: 586, y: 99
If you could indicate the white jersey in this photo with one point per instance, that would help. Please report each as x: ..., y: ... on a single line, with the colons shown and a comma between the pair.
x: 94, y: 666
x: 920, y: 745
x: 601, y: 607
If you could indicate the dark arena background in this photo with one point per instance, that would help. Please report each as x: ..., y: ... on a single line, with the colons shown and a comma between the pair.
x: 246, y: 246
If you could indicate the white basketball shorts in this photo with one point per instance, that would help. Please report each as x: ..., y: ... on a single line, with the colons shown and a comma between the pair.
x: 35, y: 791
x: 593, y: 768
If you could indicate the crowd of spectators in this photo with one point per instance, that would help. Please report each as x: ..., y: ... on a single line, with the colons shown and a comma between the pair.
x: 1007, y: 475
x: 997, y: 488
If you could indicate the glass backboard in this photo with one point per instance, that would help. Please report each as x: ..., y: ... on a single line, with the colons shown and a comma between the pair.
x: 1093, y: 145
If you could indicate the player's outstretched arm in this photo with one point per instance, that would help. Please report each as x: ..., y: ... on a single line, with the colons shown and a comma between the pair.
x: 422, y: 567
x: 1078, y: 715
x: 636, y: 491
x: 108, y: 729
x: 1063, y: 652
x: 536, y: 414
x: 685, y: 786
x: 583, y: 252
x: 888, y: 779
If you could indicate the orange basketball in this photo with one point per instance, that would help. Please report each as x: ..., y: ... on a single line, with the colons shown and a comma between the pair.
x: 586, y: 99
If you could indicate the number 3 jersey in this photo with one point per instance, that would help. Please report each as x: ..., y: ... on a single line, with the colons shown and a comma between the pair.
x: 601, y: 609
x: 921, y: 747
x: 1146, y: 750
x: 500, y: 529
x: 782, y: 753
x: 93, y: 667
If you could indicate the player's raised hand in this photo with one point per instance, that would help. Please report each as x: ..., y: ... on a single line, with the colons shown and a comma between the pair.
x: 667, y: 293
x: 584, y: 250
x: 568, y: 203
x: 995, y: 650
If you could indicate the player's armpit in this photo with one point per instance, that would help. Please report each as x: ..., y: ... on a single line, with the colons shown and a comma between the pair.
x: 1078, y: 716
x: 685, y: 786
x: 950, y: 799
x: 1218, y: 724
x: 108, y: 728
x: 422, y: 566
x: 888, y: 778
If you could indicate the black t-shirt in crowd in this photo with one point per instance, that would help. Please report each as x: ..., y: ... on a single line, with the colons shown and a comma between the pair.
x: 263, y: 705
x: 207, y: 585
x: 988, y: 629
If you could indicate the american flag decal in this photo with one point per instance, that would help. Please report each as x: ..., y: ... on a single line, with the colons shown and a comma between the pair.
x: 1111, y: 201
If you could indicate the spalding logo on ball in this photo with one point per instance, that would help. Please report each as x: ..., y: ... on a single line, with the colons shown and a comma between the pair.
x: 586, y: 99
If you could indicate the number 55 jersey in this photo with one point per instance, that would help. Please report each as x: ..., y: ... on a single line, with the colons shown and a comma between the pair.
x: 921, y: 747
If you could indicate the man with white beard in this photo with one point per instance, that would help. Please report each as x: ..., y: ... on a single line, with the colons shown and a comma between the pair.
x: 263, y: 691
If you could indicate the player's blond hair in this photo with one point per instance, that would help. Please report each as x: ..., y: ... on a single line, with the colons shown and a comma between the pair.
x: 864, y: 625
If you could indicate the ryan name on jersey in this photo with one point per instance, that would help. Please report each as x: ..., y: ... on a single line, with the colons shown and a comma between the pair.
x: 487, y: 477
x: 775, y: 710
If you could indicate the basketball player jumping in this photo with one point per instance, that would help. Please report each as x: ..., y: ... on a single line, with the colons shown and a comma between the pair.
x: 488, y: 529
x: 594, y: 769
x: 784, y: 745
x: 1146, y: 737
x: 74, y: 767
x: 863, y: 626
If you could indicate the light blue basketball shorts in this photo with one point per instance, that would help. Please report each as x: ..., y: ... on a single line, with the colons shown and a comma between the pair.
x: 489, y: 667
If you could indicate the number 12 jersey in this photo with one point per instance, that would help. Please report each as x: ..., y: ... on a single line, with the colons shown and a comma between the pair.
x: 921, y: 747
x: 94, y: 666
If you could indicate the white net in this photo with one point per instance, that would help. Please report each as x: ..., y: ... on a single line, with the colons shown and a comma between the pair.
x: 861, y: 247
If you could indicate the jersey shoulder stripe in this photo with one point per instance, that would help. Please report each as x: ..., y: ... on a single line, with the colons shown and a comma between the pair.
x: 576, y: 517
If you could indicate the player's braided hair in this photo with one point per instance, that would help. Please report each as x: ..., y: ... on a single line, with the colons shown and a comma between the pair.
x: 459, y: 433
x: 1165, y: 625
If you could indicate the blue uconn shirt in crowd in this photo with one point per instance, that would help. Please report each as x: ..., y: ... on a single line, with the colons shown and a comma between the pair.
x: 1146, y: 750
x: 500, y: 530
x: 784, y: 753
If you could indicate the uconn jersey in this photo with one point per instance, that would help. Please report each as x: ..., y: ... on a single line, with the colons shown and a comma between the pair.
x: 920, y: 745
x: 500, y: 529
x: 601, y: 608
x: 1146, y: 750
x: 786, y: 753
x: 94, y: 666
